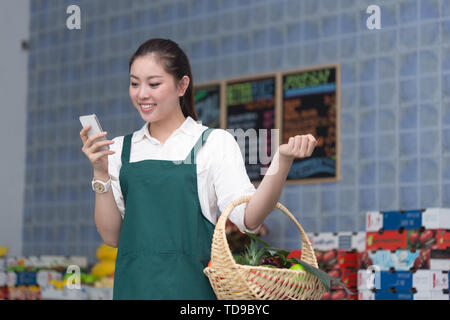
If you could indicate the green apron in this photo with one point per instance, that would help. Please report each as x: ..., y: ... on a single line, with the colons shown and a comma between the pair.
x: 165, y: 241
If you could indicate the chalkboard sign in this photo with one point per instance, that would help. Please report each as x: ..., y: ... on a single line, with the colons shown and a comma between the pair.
x: 310, y: 104
x: 207, y: 104
x: 250, y: 117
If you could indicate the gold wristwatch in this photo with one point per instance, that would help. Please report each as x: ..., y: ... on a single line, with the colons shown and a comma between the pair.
x: 101, y: 187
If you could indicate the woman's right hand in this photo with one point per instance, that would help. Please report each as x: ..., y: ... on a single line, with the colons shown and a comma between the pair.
x: 98, y: 158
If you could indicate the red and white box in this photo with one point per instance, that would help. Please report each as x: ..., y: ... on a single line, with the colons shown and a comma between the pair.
x: 374, y: 221
x: 336, y: 259
x: 408, y: 239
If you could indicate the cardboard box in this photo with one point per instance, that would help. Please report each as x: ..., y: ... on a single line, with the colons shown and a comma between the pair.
x: 340, y: 294
x: 324, y: 241
x: 336, y: 259
x: 398, y: 260
x: 374, y: 221
x: 443, y: 238
x: 387, y: 240
x: 346, y: 275
x: 408, y: 239
x: 431, y: 218
x: 440, y: 259
x: 392, y: 295
x: 383, y: 280
x: 420, y: 280
x: 430, y: 280
x: 436, y: 218
x: 352, y: 241
x: 432, y: 295
x: 394, y: 220
x: 366, y: 295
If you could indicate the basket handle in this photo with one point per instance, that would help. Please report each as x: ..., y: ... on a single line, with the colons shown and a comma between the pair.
x: 307, y: 250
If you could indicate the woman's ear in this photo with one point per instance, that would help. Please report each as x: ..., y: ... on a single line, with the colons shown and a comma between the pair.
x: 183, y: 84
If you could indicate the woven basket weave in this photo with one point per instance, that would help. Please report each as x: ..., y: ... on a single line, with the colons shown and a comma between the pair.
x: 232, y: 281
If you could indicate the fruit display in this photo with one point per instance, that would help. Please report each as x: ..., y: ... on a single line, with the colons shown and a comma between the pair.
x: 47, y: 277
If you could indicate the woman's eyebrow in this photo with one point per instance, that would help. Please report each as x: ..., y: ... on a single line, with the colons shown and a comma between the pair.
x: 149, y: 77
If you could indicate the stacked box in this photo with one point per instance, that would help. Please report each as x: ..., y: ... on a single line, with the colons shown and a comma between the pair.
x: 407, y: 255
x: 337, y: 254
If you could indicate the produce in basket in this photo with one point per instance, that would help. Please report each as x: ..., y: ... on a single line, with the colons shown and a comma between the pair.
x: 279, y: 258
x: 232, y: 279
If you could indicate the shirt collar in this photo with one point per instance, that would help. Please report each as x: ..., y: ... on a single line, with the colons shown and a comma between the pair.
x: 189, y: 127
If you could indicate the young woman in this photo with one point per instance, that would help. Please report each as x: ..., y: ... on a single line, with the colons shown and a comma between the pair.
x: 160, y: 187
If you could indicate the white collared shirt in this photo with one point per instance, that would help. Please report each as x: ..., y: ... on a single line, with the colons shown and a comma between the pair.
x: 221, y: 174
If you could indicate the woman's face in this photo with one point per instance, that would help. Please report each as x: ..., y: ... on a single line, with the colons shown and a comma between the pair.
x: 153, y: 91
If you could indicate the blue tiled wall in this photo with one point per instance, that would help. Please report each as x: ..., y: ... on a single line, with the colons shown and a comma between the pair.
x: 395, y: 100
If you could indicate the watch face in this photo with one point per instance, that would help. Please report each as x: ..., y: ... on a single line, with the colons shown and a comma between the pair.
x: 99, y: 187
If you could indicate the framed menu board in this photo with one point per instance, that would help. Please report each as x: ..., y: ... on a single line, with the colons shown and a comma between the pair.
x: 207, y: 99
x: 250, y: 115
x: 310, y: 103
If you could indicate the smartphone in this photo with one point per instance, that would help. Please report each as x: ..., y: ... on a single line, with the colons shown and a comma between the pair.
x: 92, y: 120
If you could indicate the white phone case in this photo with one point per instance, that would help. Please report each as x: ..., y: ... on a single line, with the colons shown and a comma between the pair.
x: 92, y: 120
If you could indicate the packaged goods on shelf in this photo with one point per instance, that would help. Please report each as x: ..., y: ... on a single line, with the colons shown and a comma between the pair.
x: 99, y: 293
x: 4, y: 293
x: 51, y: 293
x: 24, y: 293
x: 2, y: 264
x: 44, y: 277
x: 431, y: 218
x: 44, y: 262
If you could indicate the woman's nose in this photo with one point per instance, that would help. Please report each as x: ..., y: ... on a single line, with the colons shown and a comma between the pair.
x: 143, y: 93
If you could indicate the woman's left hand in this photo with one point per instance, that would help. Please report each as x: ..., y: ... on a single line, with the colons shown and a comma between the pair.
x: 300, y: 146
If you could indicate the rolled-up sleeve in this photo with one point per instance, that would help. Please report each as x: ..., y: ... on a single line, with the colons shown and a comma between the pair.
x: 230, y: 178
x: 114, y: 165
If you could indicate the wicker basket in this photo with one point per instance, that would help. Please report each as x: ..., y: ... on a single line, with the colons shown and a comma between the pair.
x: 231, y: 281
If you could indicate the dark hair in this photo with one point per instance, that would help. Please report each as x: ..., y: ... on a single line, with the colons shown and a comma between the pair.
x: 174, y: 62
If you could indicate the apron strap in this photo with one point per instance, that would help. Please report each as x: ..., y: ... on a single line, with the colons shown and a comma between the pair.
x: 126, y: 148
x: 201, y: 140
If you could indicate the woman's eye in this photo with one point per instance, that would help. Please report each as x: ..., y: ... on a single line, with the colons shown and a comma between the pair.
x: 154, y: 84
x: 133, y: 84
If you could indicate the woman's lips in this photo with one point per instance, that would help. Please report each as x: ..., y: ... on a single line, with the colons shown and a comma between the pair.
x: 146, y: 108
